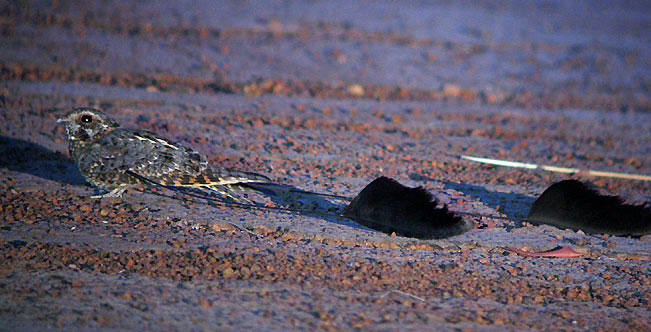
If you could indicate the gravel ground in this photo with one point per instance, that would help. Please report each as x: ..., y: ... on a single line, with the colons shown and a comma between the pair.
x: 323, y: 96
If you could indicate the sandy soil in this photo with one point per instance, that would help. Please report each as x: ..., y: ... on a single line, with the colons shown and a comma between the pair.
x: 323, y: 96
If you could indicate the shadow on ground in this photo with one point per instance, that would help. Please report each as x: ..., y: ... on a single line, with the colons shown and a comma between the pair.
x: 27, y: 157
x: 514, y: 205
x: 288, y: 199
x: 314, y: 205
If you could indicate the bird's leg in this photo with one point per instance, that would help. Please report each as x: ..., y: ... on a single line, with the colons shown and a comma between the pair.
x: 242, y: 229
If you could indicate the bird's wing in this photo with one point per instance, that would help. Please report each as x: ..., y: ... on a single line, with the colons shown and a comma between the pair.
x: 173, y: 164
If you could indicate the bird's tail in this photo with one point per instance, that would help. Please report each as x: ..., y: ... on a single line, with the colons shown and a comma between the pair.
x: 227, y: 181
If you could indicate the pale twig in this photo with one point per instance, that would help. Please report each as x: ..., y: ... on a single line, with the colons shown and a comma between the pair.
x: 566, y: 170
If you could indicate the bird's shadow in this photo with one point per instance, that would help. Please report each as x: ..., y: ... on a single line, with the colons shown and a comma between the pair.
x: 31, y: 158
x: 286, y: 198
x: 328, y: 209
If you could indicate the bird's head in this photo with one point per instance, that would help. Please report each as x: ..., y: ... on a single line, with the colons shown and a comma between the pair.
x: 83, y: 124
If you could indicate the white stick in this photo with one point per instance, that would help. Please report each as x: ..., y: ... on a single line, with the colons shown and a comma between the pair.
x: 557, y: 169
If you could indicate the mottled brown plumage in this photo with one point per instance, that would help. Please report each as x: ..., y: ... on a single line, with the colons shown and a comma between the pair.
x: 104, y: 152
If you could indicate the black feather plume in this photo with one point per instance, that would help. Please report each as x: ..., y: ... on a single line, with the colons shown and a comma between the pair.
x: 388, y: 206
x: 573, y: 204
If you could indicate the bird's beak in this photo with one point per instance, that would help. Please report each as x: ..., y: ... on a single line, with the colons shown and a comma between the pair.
x: 60, y: 120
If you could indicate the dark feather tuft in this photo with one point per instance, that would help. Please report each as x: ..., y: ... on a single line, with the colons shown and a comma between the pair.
x: 573, y: 204
x: 388, y: 206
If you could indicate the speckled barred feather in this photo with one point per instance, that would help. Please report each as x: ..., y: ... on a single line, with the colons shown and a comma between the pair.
x: 104, y: 152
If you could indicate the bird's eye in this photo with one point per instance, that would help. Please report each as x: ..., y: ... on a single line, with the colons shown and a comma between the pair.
x: 86, y: 119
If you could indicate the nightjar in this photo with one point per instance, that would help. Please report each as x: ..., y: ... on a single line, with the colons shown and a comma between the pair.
x: 104, y: 153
